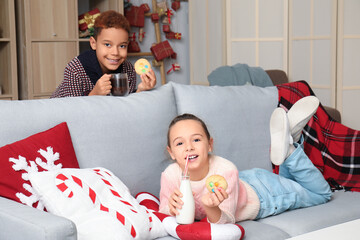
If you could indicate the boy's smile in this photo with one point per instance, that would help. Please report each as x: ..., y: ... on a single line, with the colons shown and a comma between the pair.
x: 111, y: 48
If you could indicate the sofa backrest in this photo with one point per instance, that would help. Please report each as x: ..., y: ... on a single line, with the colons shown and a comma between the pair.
x: 237, y: 117
x: 128, y: 135
x: 125, y: 135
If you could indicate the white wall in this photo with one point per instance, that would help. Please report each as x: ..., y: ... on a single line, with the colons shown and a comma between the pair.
x: 207, y: 38
x: 312, y: 40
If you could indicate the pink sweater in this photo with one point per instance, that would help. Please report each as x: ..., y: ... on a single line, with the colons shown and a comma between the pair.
x: 242, y: 203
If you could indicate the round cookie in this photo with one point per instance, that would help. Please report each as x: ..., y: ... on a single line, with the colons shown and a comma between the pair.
x: 142, y: 66
x: 216, y: 181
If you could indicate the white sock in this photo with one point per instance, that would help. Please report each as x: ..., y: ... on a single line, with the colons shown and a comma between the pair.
x: 300, y: 114
x: 280, y: 136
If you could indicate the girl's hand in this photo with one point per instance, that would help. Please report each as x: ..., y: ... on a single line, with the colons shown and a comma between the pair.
x: 148, y: 81
x: 211, y: 200
x: 175, y: 202
x: 102, y: 86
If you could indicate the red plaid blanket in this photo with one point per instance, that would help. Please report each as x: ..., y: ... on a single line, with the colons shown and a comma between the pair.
x: 332, y: 147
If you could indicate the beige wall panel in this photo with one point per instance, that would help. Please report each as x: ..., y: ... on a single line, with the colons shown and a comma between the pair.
x: 5, y: 68
x: 48, y: 69
x: 350, y: 111
x: 53, y: 19
x: 4, y: 19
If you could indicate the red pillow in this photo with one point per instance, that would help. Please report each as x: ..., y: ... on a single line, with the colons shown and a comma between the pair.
x: 51, y: 149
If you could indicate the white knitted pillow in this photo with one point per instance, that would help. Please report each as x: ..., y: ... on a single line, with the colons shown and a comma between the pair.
x: 98, y: 203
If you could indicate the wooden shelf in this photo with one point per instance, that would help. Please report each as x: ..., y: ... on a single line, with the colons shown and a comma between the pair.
x: 49, y: 40
x: 8, y: 61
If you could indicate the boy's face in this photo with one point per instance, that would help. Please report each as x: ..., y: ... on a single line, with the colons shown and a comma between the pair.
x: 111, y: 48
x: 188, y: 137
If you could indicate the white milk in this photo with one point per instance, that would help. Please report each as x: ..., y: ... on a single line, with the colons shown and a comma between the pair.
x: 187, y: 212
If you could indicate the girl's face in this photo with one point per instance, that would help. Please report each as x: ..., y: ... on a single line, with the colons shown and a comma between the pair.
x: 188, y: 137
x: 111, y: 48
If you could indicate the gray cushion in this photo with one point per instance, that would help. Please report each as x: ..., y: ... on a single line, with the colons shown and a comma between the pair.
x: 239, y: 74
x: 124, y: 134
x: 259, y: 231
x: 342, y: 208
x: 237, y: 117
x: 18, y: 222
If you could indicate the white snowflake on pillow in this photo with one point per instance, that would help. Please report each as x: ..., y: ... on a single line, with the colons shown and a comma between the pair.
x: 22, y: 164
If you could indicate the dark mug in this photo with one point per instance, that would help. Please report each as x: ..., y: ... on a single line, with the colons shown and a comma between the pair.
x: 119, y: 84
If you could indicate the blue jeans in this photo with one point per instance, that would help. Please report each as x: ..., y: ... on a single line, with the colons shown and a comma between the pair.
x: 299, y: 184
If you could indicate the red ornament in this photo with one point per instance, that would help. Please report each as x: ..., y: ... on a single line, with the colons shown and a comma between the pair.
x: 162, y: 50
x: 155, y: 17
x: 175, y: 5
x: 146, y: 7
x: 178, y: 36
x: 87, y: 20
x: 166, y: 28
x: 169, y: 13
x: 174, y: 67
x: 135, y: 16
x: 133, y: 47
x: 170, y: 35
x: 132, y: 37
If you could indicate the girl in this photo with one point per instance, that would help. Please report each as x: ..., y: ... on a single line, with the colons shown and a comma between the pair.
x: 89, y: 73
x: 251, y: 194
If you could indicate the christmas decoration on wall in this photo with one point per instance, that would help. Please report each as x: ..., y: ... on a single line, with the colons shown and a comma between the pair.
x: 86, y: 23
x: 175, y: 5
x: 133, y: 44
x: 136, y: 17
x: 174, y: 67
x: 162, y: 50
x: 162, y: 16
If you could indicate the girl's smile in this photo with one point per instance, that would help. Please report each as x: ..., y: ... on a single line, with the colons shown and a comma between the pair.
x: 193, y: 158
x: 188, y: 138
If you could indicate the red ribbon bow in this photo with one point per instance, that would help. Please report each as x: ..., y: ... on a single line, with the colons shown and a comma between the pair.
x: 178, y: 36
x: 133, y: 37
x: 169, y: 13
x: 174, y: 67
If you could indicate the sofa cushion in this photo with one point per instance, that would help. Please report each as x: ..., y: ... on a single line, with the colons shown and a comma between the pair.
x: 341, y: 208
x: 124, y: 134
x: 44, y: 151
x: 237, y: 117
x: 97, y: 201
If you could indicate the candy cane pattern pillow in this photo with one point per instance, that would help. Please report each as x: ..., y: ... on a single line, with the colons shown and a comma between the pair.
x: 99, y: 204
x: 43, y: 151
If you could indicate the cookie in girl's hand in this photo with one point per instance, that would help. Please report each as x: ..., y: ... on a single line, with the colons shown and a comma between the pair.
x: 142, y: 66
x: 216, y: 181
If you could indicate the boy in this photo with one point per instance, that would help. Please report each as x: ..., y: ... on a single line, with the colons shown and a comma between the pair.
x: 89, y: 73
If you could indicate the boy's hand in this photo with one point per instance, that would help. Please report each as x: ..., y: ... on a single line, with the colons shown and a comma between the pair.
x: 102, y: 86
x: 148, y: 81
x: 214, y: 199
x: 175, y: 202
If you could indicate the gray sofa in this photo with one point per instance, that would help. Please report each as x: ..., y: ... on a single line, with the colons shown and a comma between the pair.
x: 128, y: 136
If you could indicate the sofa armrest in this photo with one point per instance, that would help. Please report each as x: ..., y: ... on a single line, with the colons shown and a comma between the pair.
x: 18, y: 221
x: 334, y: 113
x: 278, y: 76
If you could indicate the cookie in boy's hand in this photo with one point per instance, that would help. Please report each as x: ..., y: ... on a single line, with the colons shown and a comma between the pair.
x: 216, y: 181
x: 142, y: 66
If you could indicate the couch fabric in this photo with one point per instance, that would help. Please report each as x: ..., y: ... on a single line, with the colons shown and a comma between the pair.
x: 127, y: 135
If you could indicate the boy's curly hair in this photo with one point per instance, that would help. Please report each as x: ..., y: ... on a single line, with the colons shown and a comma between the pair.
x: 110, y: 19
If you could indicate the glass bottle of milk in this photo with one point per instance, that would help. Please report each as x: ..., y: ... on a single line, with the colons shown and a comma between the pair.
x: 187, y: 212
